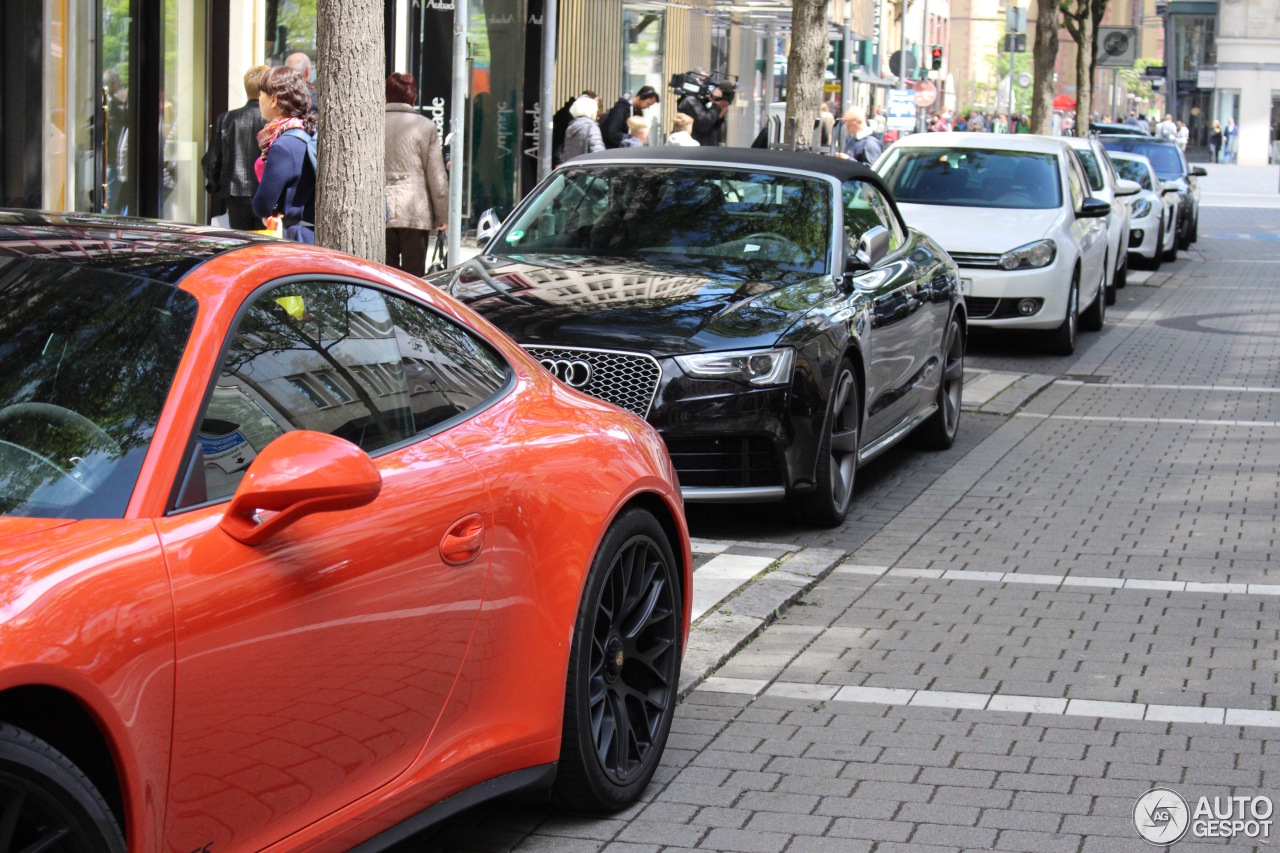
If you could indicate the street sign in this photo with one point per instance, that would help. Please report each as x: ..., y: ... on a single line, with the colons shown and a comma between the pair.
x: 1154, y: 71
x: 1207, y: 78
x: 1117, y: 46
x: 901, y: 109
x: 1015, y: 43
x: 1015, y: 19
x: 925, y: 93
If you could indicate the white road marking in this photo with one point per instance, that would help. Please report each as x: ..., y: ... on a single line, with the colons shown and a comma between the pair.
x: 1086, y: 581
x: 1140, y: 387
x: 1126, y: 420
x: 720, y: 576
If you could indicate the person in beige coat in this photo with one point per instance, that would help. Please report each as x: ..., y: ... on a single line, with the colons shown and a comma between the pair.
x: 417, y: 182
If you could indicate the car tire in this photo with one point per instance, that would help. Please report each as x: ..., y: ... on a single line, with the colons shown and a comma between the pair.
x: 828, y: 504
x: 1195, y: 228
x: 1062, y: 341
x: 1093, y: 318
x: 1184, y: 239
x: 1158, y: 257
x: 1120, y: 280
x: 940, y: 430
x: 624, y: 668
x: 50, y: 796
x: 1171, y: 248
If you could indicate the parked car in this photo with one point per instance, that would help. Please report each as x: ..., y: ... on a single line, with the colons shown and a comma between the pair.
x: 298, y: 554
x: 1117, y: 129
x: 1153, y: 214
x: 1172, y: 168
x: 1105, y: 184
x: 1014, y: 211
x: 769, y: 312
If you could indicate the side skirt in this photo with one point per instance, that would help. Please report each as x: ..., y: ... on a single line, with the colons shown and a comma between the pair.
x: 531, y: 778
x: 889, y: 439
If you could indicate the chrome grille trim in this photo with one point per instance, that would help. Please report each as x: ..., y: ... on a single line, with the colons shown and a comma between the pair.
x: 975, y: 259
x: 628, y: 380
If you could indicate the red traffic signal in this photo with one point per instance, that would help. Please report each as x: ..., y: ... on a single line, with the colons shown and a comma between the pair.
x: 937, y: 57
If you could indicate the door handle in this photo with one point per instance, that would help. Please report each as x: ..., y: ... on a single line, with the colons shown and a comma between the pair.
x: 463, y: 540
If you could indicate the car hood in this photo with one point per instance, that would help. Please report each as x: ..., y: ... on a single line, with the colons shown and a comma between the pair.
x: 12, y: 526
x: 660, y: 305
x: 981, y: 230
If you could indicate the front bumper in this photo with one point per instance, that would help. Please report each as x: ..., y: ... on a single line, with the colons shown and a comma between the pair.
x: 992, y: 295
x: 1144, y: 235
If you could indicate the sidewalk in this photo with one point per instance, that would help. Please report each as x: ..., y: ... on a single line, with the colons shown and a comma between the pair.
x: 1229, y: 185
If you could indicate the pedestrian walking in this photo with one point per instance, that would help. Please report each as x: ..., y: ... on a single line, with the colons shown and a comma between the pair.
x: 613, y: 127
x: 560, y: 123
x: 1167, y: 129
x: 681, y: 125
x: 637, y: 133
x: 1230, y: 135
x: 582, y: 136
x: 861, y: 144
x: 417, y: 181
x: 1183, y: 136
x: 228, y: 164
x: 1215, y: 141
x: 286, y: 173
x: 828, y: 123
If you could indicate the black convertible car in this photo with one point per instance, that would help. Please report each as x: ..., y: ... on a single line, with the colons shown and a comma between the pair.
x: 769, y: 312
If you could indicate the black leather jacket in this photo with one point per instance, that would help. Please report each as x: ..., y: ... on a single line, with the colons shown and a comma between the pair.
x: 228, y: 164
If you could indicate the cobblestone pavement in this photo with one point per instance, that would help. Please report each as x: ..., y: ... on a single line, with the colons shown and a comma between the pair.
x: 1078, y: 602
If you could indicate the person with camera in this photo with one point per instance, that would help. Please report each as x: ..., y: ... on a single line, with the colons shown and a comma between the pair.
x: 613, y: 127
x: 708, y: 118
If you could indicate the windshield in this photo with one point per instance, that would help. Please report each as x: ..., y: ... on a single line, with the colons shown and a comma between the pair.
x: 86, y: 360
x: 963, y: 177
x: 637, y: 211
x: 1164, y: 157
x: 1133, y: 170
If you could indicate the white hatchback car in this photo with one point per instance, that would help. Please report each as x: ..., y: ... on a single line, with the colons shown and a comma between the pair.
x: 1015, y: 213
x: 1153, y: 212
x: 1105, y: 184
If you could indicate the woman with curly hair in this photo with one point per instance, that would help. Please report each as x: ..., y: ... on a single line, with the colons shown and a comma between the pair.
x: 287, y: 179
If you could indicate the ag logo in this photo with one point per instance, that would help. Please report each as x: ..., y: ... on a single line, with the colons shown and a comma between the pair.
x: 1161, y: 816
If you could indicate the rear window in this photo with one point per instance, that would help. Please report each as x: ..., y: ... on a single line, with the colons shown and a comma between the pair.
x: 1164, y: 157
x: 963, y: 177
x: 86, y: 360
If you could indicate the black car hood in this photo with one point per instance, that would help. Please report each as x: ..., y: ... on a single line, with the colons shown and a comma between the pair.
x: 660, y: 305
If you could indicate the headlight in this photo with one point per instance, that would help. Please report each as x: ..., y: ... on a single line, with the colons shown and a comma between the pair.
x: 1029, y: 257
x: 1140, y: 208
x: 754, y: 366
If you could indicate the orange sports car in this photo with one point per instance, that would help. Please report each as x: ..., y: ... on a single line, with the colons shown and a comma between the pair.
x: 299, y: 554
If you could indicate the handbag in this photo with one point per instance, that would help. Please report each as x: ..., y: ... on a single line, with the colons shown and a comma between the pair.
x: 439, y: 259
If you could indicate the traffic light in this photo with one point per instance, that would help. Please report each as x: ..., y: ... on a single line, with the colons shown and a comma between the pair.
x: 937, y: 57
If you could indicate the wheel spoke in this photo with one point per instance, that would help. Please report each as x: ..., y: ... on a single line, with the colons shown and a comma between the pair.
x: 954, y: 371
x: 9, y: 820
x: 844, y: 441
x: 45, y: 841
x: 639, y: 616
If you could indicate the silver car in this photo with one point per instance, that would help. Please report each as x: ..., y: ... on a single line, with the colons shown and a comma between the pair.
x: 1153, y: 212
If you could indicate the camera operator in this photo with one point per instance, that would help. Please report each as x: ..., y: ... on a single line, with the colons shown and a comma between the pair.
x: 708, y: 118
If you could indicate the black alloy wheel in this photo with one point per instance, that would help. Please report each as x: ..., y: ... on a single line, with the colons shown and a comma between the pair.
x: 828, y: 504
x: 624, y: 668
x: 47, y: 804
x: 1093, y: 318
x: 1062, y: 341
x: 940, y: 430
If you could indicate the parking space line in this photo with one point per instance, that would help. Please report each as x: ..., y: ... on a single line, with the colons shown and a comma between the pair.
x: 720, y: 576
x: 1158, y: 387
x: 1088, y: 581
x: 1006, y: 703
x: 1128, y: 420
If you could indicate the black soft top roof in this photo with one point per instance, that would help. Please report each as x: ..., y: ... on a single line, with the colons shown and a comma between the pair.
x: 763, y: 158
x: 161, y: 251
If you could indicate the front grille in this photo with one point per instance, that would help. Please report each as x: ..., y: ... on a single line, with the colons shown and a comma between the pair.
x: 975, y: 259
x: 626, y: 379
x: 980, y: 307
x: 727, y: 462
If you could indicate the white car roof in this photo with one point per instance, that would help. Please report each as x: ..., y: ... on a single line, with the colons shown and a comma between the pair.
x: 986, y: 141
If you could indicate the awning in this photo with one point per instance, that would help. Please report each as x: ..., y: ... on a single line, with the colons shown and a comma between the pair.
x: 1062, y: 102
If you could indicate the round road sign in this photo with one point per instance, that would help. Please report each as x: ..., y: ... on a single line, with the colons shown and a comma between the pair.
x: 925, y: 93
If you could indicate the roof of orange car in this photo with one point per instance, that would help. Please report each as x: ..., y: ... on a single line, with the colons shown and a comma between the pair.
x: 160, y: 251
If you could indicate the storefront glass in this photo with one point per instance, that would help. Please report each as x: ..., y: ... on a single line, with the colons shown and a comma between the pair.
x: 290, y: 27
x: 497, y: 105
x: 182, y: 112
x: 643, y: 34
x: 1195, y: 47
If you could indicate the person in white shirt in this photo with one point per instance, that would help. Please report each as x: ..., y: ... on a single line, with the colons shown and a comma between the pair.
x: 1183, y: 136
x: 680, y: 127
x: 1167, y: 129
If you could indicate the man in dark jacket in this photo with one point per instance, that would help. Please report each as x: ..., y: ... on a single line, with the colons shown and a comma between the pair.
x: 228, y: 164
x: 613, y: 127
x: 708, y: 120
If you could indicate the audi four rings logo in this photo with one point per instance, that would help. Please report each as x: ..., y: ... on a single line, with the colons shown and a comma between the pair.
x: 575, y: 373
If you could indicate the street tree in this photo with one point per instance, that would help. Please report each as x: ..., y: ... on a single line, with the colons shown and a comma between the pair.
x: 805, y: 65
x: 1044, y: 54
x: 1081, y: 18
x: 350, y: 59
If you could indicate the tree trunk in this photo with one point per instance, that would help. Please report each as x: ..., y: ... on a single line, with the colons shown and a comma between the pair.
x: 805, y: 65
x: 350, y: 195
x: 1097, y: 8
x: 1044, y: 56
x: 1084, y: 77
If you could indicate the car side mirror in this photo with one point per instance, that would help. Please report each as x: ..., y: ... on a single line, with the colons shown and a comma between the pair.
x: 1093, y: 208
x: 1198, y: 171
x: 1126, y: 187
x: 487, y: 226
x: 298, y: 474
x: 1169, y: 188
x: 871, y: 249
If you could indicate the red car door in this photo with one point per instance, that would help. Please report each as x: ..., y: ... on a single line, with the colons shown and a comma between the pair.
x: 312, y: 667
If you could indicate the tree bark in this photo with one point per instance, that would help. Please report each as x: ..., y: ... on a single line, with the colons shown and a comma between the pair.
x: 805, y: 65
x: 350, y: 194
x: 1044, y: 56
x: 1097, y: 8
x: 1076, y: 18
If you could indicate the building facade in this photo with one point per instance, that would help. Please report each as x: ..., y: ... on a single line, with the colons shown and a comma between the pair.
x: 1246, y: 78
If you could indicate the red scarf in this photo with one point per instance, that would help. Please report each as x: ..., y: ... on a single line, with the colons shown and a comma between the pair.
x: 275, y: 127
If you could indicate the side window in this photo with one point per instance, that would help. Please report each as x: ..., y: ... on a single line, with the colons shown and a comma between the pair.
x: 1075, y: 182
x: 864, y: 208
x: 342, y: 359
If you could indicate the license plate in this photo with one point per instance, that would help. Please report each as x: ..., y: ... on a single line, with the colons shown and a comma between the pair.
x: 966, y: 287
